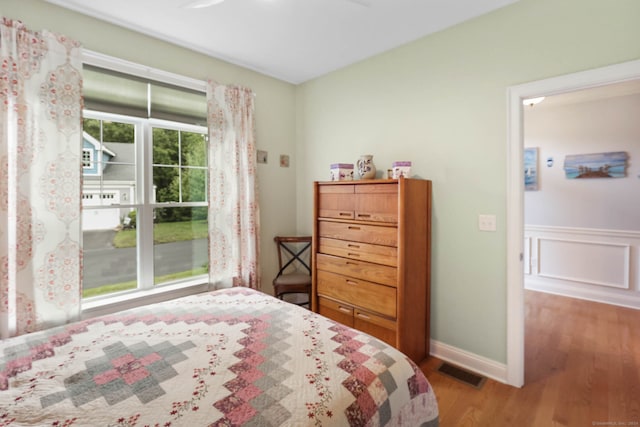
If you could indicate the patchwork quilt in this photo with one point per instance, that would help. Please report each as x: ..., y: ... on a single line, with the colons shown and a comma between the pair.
x: 233, y: 357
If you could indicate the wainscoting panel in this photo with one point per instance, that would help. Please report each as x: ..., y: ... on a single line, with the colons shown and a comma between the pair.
x: 593, y: 264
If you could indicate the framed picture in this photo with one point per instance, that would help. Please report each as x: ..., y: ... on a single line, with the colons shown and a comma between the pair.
x: 531, y: 169
x: 596, y: 165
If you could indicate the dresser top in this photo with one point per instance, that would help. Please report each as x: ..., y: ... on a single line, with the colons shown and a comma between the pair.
x: 367, y: 181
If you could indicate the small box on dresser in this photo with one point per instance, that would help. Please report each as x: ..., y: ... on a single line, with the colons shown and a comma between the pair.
x: 342, y: 172
x: 372, y: 259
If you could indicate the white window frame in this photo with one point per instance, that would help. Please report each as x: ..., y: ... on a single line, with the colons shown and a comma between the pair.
x: 146, y: 292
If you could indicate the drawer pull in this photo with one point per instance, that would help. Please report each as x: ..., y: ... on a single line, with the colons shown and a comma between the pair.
x: 364, y: 215
x: 345, y: 309
x: 351, y: 282
x: 364, y: 316
x: 351, y: 245
x: 345, y: 214
x: 352, y: 254
x: 350, y: 263
x: 351, y: 227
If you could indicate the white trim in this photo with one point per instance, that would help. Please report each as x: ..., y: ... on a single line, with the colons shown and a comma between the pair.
x: 167, y: 124
x: 98, y: 306
x: 515, y: 239
x: 515, y: 191
x: 464, y: 359
x: 527, y: 268
x: 598, y: 232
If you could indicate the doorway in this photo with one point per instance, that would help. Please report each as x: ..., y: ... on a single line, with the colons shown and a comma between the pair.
x: 515, y: 192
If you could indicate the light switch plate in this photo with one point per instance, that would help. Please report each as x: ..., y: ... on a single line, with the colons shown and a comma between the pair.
x: 487, y: 222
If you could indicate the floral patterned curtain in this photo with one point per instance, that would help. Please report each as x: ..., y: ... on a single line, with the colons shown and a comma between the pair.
x: 40, y: 179
x: 234, y: 214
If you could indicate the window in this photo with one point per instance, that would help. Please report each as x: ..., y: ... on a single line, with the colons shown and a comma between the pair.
x: 87, y: 158
x: 145, y: 207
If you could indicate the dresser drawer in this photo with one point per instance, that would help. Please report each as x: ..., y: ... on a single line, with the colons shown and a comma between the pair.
x: 358, y: 269
x: 379, y: 235
x: 377, y: 202
x: 387, y: 255
x: 369, y: 296
x: 379, y: 327
x: 336, y: 201
x: 335, y: 310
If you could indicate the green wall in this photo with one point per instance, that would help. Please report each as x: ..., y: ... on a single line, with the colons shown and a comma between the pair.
x: 441, y: 102
x: 275, y: 102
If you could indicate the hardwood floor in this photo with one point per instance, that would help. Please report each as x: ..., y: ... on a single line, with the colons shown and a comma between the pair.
x: 582, y: 368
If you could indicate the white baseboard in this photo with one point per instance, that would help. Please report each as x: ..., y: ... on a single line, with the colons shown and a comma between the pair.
x: 473, y: 362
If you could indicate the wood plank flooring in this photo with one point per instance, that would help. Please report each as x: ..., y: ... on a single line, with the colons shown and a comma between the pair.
x: 582, y: 368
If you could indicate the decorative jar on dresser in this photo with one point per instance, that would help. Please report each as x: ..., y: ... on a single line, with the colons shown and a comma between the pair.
x: 372, y: 259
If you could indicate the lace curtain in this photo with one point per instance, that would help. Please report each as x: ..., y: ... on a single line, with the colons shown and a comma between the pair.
x: 233, y: 207
x: 40, y: 179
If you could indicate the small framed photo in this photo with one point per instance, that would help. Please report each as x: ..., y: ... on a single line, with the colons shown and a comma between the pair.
x: 262, y: 156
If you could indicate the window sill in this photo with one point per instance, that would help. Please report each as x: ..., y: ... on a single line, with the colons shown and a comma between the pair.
x: 99, y: 306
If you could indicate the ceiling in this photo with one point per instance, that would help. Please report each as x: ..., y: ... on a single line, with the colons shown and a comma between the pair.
x: 292, y: 40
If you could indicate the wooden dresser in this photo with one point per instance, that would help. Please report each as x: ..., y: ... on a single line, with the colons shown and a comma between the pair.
x: 372, y: 258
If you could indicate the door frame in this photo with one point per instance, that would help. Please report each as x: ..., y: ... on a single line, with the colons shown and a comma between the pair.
x: 515, y: 191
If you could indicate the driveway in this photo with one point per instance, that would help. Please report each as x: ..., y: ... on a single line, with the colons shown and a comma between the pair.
x: 104, y: 264
x: 99, y: 239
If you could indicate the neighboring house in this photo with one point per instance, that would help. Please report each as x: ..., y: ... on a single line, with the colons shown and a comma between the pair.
x: 108, y: 179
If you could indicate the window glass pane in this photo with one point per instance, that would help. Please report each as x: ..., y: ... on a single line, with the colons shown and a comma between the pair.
x: 109, y: 251
x: 110, y: 175
x: 118, y: 132
x: 180, y: 244
x: 165, y: 147
x: 193, y: 149
x: 166, y: 181
x: 194, y: 185
x: 92, y: 127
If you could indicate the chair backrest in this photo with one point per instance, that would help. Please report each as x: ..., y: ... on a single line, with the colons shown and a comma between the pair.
x: 291, y: 253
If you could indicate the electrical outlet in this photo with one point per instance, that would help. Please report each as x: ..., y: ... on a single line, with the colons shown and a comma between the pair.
x: 487, y: 222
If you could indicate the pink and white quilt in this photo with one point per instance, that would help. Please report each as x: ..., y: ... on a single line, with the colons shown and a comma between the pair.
x: 233, y: 357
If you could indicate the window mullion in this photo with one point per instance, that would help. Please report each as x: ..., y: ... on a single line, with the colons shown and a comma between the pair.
x: 180, y: 166
x: 145, y: 210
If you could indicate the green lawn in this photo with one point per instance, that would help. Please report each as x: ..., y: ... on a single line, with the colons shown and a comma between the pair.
x: 165, y: 232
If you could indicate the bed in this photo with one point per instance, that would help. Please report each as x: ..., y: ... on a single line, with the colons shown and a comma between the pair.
x: 230, y: 357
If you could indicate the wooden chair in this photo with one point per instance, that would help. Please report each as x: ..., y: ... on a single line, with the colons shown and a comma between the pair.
x: 294, y: 274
